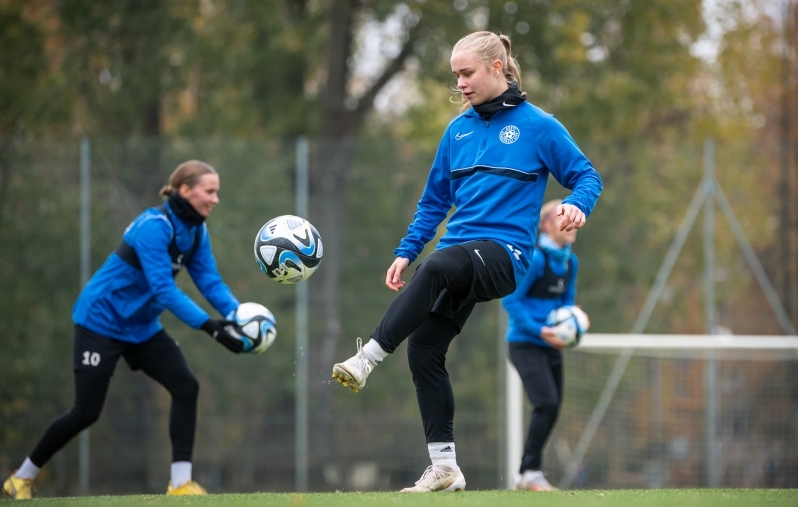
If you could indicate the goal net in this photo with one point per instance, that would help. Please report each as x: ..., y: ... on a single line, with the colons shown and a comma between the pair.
x: 656, y: 411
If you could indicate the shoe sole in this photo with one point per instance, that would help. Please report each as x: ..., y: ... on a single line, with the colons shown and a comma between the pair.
x: 343, y: 377
x: 456, y: 487
x: 447, y: 490
x: 10, y: 491
x: 537, y: 489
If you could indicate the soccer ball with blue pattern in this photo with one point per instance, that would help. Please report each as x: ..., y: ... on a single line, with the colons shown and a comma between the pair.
x: 569, y: 323
x: 288, y: 249
x: 254, y: 325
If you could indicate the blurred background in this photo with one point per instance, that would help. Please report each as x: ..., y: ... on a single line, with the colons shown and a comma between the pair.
x: 126, y: 90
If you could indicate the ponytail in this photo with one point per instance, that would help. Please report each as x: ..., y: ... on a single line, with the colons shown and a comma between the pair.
x: 512, y: 71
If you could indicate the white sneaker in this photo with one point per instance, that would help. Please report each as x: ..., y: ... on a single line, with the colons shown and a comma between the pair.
x: 533, y: 480
x: 438, y: 478
x: 354, y: 371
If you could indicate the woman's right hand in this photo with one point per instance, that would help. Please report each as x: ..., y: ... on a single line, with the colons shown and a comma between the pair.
x: 549, y: 336
x: 393, y: 279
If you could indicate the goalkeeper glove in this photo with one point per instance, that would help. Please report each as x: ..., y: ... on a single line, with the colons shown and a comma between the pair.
x: 216, y: 328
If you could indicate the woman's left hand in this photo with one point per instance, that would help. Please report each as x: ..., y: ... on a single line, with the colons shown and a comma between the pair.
x: 393, y: 278
x: 572, y: 217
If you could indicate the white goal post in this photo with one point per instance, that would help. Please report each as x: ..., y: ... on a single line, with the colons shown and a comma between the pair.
x: 710, y: 348
x: 675, y: 342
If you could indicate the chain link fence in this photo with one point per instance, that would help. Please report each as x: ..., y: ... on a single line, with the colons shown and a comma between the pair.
x: 362, y: 197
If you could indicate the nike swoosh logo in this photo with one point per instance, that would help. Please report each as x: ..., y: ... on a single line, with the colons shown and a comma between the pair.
x: 458, y: 136
x: 480, y: 258
x: 505, y: 104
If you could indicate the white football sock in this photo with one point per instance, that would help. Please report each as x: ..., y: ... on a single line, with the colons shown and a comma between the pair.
x: 181, y: 473
x: 531, y: 475
x: 27, y: 471
x: 442, y: 453
x: 374, y: 352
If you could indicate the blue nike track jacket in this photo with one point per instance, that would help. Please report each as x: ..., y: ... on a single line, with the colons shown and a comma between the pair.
x: 528, y: 314
x: 124, y: 302
x: 495, y: 173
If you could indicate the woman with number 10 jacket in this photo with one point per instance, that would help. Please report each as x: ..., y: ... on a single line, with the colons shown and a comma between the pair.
x: 116, y: 315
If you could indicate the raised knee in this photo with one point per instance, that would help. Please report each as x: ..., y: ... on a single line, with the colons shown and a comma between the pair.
x: 436, y: 264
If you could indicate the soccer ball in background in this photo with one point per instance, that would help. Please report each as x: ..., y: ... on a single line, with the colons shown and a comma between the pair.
x: 570, y: 323
x: 254, y: 325
x: 288, y: 249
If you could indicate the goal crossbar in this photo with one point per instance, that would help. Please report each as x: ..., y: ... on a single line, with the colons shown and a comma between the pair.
x: 598, y: 341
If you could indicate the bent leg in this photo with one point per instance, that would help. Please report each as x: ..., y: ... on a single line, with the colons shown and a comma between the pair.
x: 164, y: 362
x: 90, y: 391
x: 449, y: 268
x: 541, y: 373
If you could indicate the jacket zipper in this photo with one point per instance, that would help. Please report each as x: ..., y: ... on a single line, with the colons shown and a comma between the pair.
x: 484, y: 143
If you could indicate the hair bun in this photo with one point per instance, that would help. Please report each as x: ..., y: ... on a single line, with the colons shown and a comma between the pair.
x: 187, y: 173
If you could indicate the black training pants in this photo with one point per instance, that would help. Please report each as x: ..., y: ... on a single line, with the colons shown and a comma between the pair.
x: 160, y: 358
x: 431, y: 310
x: 540, y: 369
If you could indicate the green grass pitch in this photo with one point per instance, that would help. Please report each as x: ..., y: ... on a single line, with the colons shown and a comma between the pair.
x: 611, y: 498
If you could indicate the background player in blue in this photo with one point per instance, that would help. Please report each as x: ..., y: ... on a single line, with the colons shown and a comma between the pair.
x: 492, y: 166
x: 117, y: 314
x: 534, y: 348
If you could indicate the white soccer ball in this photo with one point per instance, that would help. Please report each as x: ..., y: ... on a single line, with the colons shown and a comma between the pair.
x: 254, y: 325
x: 288, y: 249
x: 569, y: 323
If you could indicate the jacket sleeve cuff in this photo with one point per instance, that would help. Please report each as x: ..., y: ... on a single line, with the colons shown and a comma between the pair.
x: 575, y: 202
x: 406, y: 254
x: 201, y: 320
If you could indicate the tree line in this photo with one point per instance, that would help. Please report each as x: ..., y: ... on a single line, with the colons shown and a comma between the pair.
x: 368, y: 82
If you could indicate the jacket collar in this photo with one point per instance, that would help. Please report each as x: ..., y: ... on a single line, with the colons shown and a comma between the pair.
x: 511, y: 98
x: 470, y: 113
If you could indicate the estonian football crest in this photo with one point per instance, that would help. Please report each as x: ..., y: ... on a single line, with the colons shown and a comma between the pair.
x: 509, y: 134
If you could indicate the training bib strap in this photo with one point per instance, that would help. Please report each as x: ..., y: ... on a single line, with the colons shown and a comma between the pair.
x: 179, y: 259
x: 550, y: 286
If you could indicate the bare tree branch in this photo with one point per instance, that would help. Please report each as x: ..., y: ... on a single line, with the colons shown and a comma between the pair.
x: 397, y: 64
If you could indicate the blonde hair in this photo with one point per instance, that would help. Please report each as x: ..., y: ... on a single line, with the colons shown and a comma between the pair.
x: 547, y: 210
x: 187, y: 173
x: 489, y: 47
